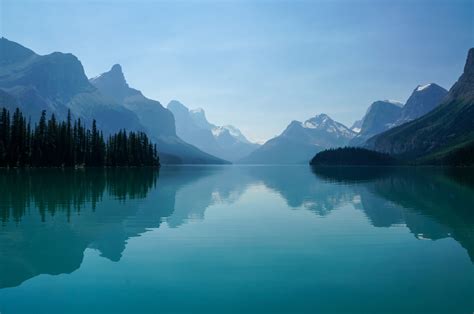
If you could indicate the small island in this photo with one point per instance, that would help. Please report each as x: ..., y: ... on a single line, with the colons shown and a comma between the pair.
x: 352, y: 156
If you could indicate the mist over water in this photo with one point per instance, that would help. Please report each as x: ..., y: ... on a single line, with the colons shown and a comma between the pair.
x: 237, y: 239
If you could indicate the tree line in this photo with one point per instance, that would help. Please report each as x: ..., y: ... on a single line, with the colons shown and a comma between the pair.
x: 352, y: 156
x: 69, y: 143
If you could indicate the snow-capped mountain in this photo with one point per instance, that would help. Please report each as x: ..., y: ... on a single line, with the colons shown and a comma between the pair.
x: 384, y: 115
x: 444, y: 133
x: 423, y: 99
x: 233, y: 131
x: 301, y: 140
x: 226, y: 142
x: 323, y: 122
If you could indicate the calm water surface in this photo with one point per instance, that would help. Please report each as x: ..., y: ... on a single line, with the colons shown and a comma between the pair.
x: 237, y: 239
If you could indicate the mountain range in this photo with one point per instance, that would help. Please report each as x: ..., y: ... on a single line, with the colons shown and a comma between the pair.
x: 226, y: 142
x: 157, y: 120
x: 300, y: 141
x: 440, y: 132
x: 432, y: 125
x: 386, y: 114
x: 57, y: 83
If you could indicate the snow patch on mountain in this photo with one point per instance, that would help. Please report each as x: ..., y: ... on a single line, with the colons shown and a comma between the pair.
x: 325, y: 123
x: 422, y: 87
x: 197, y: 110
x: 218, y: 131
x: 394, y: 102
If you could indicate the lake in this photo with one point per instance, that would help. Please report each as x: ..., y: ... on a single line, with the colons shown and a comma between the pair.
x: 241, y: 239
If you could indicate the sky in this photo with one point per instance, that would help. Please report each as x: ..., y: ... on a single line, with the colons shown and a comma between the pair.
x: 257, y: 65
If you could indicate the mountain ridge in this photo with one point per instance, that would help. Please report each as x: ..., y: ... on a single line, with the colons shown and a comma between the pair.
x: 380, y: 116
x: 300, y: 141
x: 57, y: 83
x: 156, y: 119
x: 226, y: 142
x: 383, y: 115
x: 448, y: 125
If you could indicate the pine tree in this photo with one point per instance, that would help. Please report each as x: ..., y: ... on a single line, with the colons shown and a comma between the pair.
x: 69, y: 143
x: 4, y: 137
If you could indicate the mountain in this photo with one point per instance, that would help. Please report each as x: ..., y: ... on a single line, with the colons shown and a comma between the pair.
x: 380, y: 116
x: 157, y: 120
x: 300, y: 141
x: 234, y: 132
x: 56, y: 82
x: 198, y: 116
x: 226, y: 142
x: 356, y: 126
x: 423, y: 99
x: 384, y: 115
x: 449, y: 126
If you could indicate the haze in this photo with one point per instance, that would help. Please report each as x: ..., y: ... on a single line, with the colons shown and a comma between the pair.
x: 257, y: 65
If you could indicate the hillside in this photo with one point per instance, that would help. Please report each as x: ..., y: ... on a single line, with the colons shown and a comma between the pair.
x: 300, y: 141
x: 450, y: 124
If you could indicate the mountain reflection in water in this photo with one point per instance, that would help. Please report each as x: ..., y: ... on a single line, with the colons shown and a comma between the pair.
x: 50, y: 217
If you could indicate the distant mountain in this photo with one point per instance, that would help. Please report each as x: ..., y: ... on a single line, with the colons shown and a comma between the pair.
x: 423, y: 99
x: 449, y: 126
x: 300, y: 141
x: 198, y: 116
x: 380, y: 117
x: 226, y: 142
x: 56, y: 83
x: 234, y: 132
x: 384, y: 115
x: 157, y: 120
x: 357, y: 126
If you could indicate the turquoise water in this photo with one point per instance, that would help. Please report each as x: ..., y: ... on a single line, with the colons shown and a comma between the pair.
x: 242, y: 239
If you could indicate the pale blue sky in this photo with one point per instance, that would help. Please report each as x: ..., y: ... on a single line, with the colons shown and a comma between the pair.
x: 257, y: 64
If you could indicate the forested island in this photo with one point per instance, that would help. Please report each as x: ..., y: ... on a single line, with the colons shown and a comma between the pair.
x: 352, y: 156
x: 70, y: 143
x: 458, y: 156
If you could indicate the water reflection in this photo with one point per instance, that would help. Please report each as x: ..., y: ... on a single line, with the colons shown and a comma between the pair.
x: 434, y: 203
x: 67, y: 190
x: 50, y: 217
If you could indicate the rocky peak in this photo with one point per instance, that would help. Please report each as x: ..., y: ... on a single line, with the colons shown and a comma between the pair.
x: 199, y: 117
x: 113, y: 84
x: 12, y: 52
x: 114, y: 78
x: 175, y: 105
x: 469, y: 66
x: 423, y: 99
x: 463, y: 89
x: 318, y: 121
